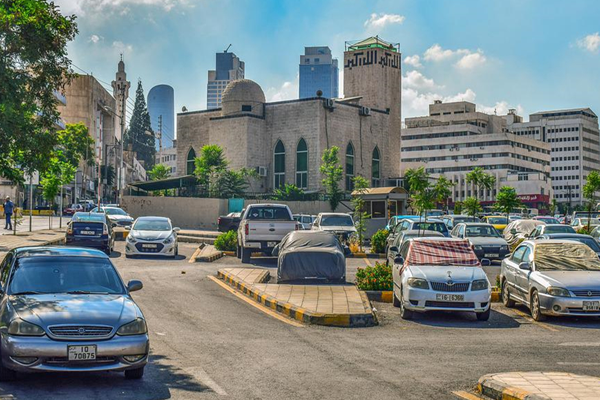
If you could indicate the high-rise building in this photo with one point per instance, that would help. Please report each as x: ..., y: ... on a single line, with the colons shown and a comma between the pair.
x: 318, y: 71
x: 229, y: 68
x: 161, y: 107
x: 574, y: 140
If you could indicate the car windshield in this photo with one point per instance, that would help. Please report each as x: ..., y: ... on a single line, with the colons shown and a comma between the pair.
x: 549, y: 220
x: 558, y: 229
x: 68, y: 274
x: 497, y: 220
x: 466, y: 219
x: 114, y: 211
x: 565, y: 257
x: 336, y: 220
x: 430, y: 226
x: 88, y: 218
x: 152, y: 225
x: 481, y: 231
x: 593, y: 221
x: 278, y: 213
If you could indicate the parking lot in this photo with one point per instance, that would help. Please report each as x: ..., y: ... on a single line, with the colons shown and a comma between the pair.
x: 208, y: 343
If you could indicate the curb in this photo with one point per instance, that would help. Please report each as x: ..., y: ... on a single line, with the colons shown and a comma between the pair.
x: 379, y: 256
x: 498, y: 390
x: 382, y: 296
x: 299, y: 313
x: 229, y: 253
x: 196, y: 256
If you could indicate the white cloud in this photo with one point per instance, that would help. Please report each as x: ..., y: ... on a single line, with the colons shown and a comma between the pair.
x: 415, y: 79
x: 501, y: 108
x: 416, y: 104
x: 81, y: 7
x: 471, y: 60
x: 287, y: 91
x: 379, y: 21
x: 122, y: 47
x: 95, y: 39
x: 414, y: 61
x: 590, y: 43
x: 437, y: 53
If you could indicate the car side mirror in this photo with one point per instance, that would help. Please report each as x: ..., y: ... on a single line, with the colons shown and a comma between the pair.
x: 113, y: 225
x: 513, y: 231
x: 525, y: 266
x: 176, y: 230
x: 485, y: 262
x: 127, y: 228
x: 394, y: 249
x: 399, y: 260
x: 134, y: 285
x: 275, y: 251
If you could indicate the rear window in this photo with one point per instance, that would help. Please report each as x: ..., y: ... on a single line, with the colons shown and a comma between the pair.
x: 430, y: 226
x: 497, y: 220
x: 559, y: 229
x: 274, y: 213
x: 88, y: 218
x: 336, y: 220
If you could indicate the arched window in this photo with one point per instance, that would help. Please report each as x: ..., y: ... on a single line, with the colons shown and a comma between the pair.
x: 349, y: 167
x: 302, y: 165
x: 279, y: 165
x: 190, y: 163
x: 375, y: 170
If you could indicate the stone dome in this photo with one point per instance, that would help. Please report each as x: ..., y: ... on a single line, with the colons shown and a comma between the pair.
x: 242, y: 97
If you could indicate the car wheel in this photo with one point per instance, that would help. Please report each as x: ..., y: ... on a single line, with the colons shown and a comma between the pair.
x: 395, y: 301
x: 506, y: 300
x: 534, y: 306
x: 404, y: 313
x: 176, y: 250
x: 134, y: 373
x: 245, y: 255
x: 107, y: 251
x: 6, y: 375
x: 238, y: 251
x: 483, y: 316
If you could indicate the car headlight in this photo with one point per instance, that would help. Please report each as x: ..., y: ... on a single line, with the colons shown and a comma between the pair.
x: 477, y: 248
x: 480, y: 284
x: 504, y: 248
x: 20, y: 327
x: 418, y: 283
x: 135, y: 327
x: 557, y: 291
x: 131, y: 238
x: 169, y: 240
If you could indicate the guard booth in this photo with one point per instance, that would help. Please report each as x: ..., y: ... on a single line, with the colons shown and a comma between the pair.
x: 382, y: 203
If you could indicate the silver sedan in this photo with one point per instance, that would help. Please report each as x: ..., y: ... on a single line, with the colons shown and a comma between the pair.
x: 67, y: 309
x: 552, y: 277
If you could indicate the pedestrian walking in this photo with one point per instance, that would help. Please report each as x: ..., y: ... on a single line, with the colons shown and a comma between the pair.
x: 9, y: 207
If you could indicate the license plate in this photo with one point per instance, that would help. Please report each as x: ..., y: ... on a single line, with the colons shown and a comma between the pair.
x: 82, y: 353
x: 87, y: 232
x: 271, y: 244
x: 591, y: 306
x: 149, y: 246
x: 449, y: 297
x: 492, y: 255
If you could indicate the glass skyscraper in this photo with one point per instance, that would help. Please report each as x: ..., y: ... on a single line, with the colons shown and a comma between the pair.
x: 229, y: 68
x: 318, y: 71
x: 161, y: 107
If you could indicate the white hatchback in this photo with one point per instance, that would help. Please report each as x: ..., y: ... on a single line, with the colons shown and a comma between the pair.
x: 440, y: 274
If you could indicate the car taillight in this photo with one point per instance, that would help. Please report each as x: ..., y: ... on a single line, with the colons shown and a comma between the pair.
x: 69, y: 230
x: 105, y: 229
x: 297, y: 227
x: 246, y: 229
x: 219, y: 221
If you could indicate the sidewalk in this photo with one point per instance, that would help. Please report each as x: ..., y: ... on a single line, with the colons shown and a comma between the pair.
x: 540, y: 386
x: 38, y: 223
x: 37, y: 238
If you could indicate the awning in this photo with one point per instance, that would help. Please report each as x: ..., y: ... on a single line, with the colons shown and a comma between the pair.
x: 176, y: 182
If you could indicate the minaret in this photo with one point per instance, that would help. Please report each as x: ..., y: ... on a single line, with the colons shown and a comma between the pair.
x: 121, y: 93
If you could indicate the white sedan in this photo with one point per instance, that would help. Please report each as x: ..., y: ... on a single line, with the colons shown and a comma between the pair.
x: 440, y: 274
x: 152, y: 236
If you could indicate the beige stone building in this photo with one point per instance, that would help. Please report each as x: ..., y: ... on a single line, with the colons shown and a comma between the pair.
x: 454, y: 138
x: 284, y: 141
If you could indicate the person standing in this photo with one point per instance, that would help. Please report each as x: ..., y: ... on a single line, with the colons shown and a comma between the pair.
x: 9, y: 207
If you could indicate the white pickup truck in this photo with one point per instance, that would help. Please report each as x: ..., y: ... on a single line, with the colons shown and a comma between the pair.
x: 262, y: 227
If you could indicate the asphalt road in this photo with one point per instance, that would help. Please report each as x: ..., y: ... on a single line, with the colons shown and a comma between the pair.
x: 207, y: 343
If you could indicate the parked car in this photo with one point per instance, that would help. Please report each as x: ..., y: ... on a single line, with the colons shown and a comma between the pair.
x: 582, y: 222
x: 152, y: 236
x: 519, y: 230
x: 90, y: 230
x: 262, y: 227
x: 497, y: 222
x: 585, y: 239
x: 72, y: 209
x: 484, y: 238
x: 229, y: 222
x: 550, y: 228
x: 452, y: 220
x: 305, y: 221
x: 88, y: 205
x: 303, y: 255
x: 67, y: 310
x: 552, y: 277
x: 435, y: 213
x: 424, y: 225
x: 392, y: 250
x: 547, y: 219
x: 397, y: 218
x: 340, y: 224
x: 585, y: 214
x: 116, y: 215
x: 440, y: 274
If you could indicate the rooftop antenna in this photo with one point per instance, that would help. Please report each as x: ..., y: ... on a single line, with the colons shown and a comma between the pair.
x: 227, y: 48
x: 121, y: 56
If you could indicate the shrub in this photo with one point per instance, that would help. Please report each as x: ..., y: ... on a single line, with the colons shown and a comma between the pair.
x: 378, y: 241
x: 585, y: 231
x: 378, y: 277
x: 226, y: 241
x: 353, y: 244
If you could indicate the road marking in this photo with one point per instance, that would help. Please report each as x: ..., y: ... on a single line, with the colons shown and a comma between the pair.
x: 206, y: 380
x: 528, y: 318
x: 589, y: 364
x: 196, y: 254
x: 267, y: 311
x: 581, y: 344
x: 466, y: 395
x: 367, y: 262
x: 160, y: 333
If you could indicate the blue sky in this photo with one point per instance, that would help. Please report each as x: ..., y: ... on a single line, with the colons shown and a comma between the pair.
x: 529, y: 55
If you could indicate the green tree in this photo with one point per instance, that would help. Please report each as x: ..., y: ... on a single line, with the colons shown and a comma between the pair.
x: 471, y: 206
x: 230, y: 183
x: 481, y: 180
x: 592, y: 185
x: 59, y: 173
x: 158, y: 172
x: 418, y: 179
x: 76, y: 144
x: 288, y: 192
x: 507, y: 200
x: 33, y: 66
x: 443, y: 190
x: 458, y: 207
x: 332, y: 172
x: 140, y: 135
x: 360, y: 215
x: 553, y: 207
x: 210, y: 163
x: 422, y: 195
